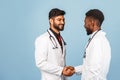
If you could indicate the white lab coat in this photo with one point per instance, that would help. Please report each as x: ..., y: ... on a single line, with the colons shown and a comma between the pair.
x: 50, y: 61
x: 98, y: 55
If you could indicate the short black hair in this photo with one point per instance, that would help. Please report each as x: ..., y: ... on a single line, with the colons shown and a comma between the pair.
x: 96, y: 14
x: 56, y: 12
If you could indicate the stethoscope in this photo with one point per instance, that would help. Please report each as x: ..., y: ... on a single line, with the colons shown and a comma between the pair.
x: 89, y: 41
x: 54, y: 41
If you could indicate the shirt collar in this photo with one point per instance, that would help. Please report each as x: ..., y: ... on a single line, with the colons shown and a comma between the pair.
x: 56, y: 35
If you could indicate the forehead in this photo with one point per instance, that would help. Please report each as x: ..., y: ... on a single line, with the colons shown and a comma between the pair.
x: 59, y: 17
x: 88, y: 18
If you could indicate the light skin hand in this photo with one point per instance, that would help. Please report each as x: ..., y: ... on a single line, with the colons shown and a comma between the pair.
x: 68, y: 71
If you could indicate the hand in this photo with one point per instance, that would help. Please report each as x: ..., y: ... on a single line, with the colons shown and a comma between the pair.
x: 68, y: 71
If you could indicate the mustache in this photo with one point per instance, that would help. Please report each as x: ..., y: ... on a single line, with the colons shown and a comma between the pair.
x: 62, y: 24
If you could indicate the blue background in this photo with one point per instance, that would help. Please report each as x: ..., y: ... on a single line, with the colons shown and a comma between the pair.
x: 21, y: 21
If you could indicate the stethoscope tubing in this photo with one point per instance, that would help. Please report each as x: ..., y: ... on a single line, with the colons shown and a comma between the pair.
x: 53, y: 39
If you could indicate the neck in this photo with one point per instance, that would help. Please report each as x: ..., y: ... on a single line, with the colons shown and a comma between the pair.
x: 96, y: 29
x: 56, y: 31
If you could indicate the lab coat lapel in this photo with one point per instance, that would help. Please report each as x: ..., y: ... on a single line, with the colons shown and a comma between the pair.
x: 58, y: 45
x: 64, y: 49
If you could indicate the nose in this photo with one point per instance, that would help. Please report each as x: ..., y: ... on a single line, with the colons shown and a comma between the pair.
x: 62, y: 22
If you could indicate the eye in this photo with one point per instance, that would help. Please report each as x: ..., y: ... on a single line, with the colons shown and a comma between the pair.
x: 59, y: 19
x: 63, y: 19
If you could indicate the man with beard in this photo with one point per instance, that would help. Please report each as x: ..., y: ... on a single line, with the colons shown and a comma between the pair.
x: 97, y: 54
x: 50, y: 51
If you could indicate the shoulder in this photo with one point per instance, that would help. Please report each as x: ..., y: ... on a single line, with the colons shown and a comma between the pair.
x: 42, y: 37
x: 100, y: 37
x: 101, y: 34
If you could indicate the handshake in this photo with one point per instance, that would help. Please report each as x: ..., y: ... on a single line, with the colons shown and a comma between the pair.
x: 68, y: 71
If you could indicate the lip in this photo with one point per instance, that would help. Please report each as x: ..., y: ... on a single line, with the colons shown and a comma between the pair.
x: 61, y: 25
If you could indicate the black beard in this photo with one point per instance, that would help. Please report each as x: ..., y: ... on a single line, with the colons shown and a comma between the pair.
x: 57, y: 27
x: 89, y: 31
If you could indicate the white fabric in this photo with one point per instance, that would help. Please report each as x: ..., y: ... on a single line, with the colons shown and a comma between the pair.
x: 50, y: 61
x: 98, y: 55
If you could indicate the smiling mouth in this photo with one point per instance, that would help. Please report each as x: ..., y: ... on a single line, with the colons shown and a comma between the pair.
x: 62, y: 25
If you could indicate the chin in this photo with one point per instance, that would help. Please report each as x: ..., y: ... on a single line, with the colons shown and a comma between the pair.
x: 89, y: 33
x: 61, y: 29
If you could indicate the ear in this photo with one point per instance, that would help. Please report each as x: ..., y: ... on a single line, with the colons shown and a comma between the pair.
x: 51, y: 21
x: 93, y: 22
x: 97, y: 23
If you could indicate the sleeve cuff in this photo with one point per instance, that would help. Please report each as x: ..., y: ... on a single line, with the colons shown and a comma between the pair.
x: 78, y: 69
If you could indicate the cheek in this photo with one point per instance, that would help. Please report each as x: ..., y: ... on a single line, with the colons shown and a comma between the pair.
x: 57, y: 22
x: 86, y: 25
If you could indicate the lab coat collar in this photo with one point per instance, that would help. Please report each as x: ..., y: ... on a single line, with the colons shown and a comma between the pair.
x: 100, y: 32
x: 93, y: 33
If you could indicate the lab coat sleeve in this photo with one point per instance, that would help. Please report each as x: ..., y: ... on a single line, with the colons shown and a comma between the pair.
x: 78, y: 69
x: 41, y: 45
x: 94, y: 62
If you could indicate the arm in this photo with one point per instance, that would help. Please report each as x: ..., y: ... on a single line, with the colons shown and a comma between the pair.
x: 41, y: 53
x: 78, y: 69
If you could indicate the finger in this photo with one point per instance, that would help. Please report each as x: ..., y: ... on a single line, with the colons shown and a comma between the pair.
x: 66, y: 68
x: 70, y: 67
x: 65, y: 71
x: 70, y: 72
